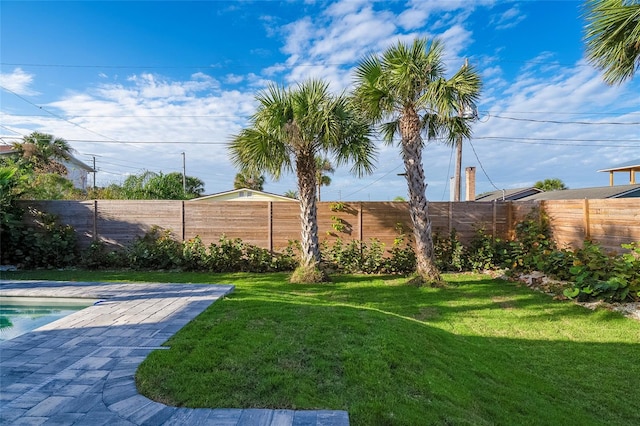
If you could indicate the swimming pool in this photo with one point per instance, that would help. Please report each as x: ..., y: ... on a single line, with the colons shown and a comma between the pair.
x: 20, y: 315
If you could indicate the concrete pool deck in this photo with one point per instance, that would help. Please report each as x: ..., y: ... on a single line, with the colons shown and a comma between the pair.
x: 79, y: 370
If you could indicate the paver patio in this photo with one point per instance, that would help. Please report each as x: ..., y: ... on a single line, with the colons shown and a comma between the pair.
x: 80, y: 369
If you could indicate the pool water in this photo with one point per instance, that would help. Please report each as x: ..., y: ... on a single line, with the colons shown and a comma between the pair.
x: 20, y: 315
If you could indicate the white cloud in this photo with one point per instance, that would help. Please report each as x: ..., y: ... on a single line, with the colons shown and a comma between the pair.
x: 508, y: 19
x: 18, y: 81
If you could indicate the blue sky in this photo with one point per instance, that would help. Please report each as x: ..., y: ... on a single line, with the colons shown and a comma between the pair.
x: 136, y: 84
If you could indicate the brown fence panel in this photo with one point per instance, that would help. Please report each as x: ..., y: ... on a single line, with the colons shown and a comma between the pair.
x: 285, y: 224
x: 78, y: 214
x: 212, y: 220
x: 121, y: 222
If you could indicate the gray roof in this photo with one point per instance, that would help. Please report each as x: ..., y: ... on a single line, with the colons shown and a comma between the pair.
x: 600, y: 192
x: 507, y: 194
x: 633, y: 164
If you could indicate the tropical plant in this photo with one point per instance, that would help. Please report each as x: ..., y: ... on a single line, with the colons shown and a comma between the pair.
x: 405, y: 91
x: 249, y: 180
x: 612, y: 36
x: 323, y: 166
x: 291, y: 194
x: 149, y: 185
x: 554, y: 184
x: 43, y: 153
x: 290, y: 128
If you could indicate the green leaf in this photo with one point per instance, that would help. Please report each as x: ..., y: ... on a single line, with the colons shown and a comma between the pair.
x: 571, y: 293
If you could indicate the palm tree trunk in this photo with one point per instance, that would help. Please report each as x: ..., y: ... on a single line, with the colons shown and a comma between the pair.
x: 418, y: 203
x: 305, y: 169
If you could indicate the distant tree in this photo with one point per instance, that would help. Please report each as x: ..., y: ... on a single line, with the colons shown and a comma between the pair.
x: 550, y: 185
x: 249, y: 180
x: 290, y: 128
x: 291, y: 194
x: 323, y: 166
x: 39, y: 172
x: 43, y: 153
x: 400, y: 198
x: 612, y: 36
x: 158, y: 186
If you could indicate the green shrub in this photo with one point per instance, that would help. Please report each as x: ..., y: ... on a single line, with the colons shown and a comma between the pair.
x: 403, y: 257
x: 532, y: 244
x: 155, y: 250
x: 449, y: 252
x: 598, y: 275
x: 44, y: 244
x: 99, y: 256
x: 486, y: 252
x: 226, y: 256
x: 194, y: 255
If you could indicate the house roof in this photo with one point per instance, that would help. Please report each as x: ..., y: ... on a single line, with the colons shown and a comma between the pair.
x: 508, y: 194
x: 633, y: 165
x: 242, y: 193
x: 600, y: 192
x: 6, y: 149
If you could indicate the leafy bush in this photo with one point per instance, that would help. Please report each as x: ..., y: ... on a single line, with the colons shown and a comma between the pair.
x: 44, y: 244
x: 532, y: 244
x: 597, y: 275
x: 155, y: 250
x: 403, y: 257
x: 486, y: 252
x: 449, y: 253
x: 98, y: 256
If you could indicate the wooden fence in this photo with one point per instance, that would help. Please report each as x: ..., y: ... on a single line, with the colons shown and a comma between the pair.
x: 273, y: 224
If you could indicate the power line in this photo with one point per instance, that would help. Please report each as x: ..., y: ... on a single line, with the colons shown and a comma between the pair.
x: 482, y: 167
x: 56, y: 115
x: 565, y: 122
x: 540, y: 141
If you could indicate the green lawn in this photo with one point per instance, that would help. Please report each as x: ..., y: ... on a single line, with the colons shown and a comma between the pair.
x: 481, y: 351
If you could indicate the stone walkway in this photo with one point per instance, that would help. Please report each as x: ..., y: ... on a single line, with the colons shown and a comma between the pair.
x: 80, y: 369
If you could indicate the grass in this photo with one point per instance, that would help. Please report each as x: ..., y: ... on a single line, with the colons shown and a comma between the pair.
x: 480, y: 351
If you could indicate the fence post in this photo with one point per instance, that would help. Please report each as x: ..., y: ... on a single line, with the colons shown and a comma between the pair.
x: 270, y: 225
x: 509, y: 219
x: 494, y: 219
x: 450, y: 214
x: 587, y: 225
x: 182, y: 220
x: 95, y: 221
x: 360, y: 222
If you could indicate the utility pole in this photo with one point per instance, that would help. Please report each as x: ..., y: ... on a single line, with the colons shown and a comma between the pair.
x: 94, y: 173
x: 458, y: 171
x: 184, y: 174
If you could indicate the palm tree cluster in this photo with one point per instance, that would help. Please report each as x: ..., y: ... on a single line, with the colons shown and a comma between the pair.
x: 403, y: 93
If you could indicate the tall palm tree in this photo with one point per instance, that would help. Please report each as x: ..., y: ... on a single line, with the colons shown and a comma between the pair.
x: 323, y: 166
x: 405, y: 91
x: 612, y: 36
x: 290, y: 128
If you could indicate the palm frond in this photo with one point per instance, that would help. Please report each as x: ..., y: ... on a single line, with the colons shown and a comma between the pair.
x: 612, y: 37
